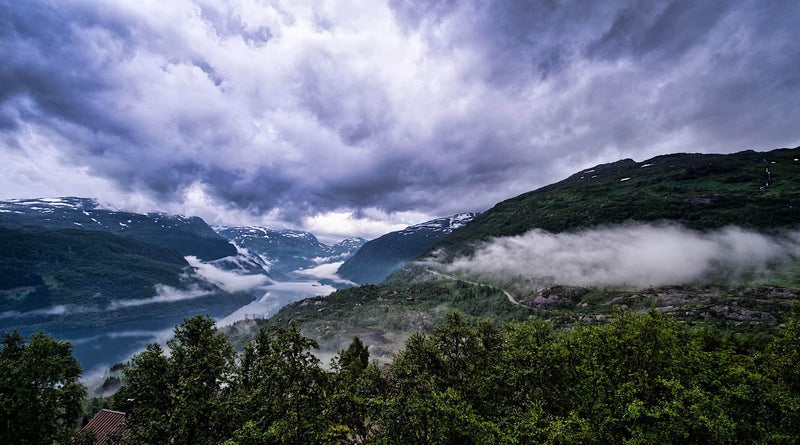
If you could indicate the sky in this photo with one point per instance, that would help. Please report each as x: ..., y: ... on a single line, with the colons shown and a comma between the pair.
x: 355, y: 118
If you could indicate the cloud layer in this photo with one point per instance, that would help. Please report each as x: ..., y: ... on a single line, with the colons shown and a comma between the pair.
x: 299, y: 111
x: 636, y: 256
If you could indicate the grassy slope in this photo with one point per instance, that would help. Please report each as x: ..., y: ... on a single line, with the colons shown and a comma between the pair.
x: 700, y: 191
x: 384, y: 317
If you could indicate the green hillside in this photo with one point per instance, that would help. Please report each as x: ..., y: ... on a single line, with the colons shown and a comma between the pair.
x: 41, y: 267
x: 758, y: 190
x: 70, y: 278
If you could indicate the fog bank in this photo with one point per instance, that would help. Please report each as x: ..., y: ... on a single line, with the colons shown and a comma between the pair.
x: 627, y: 256
x: 227, y: 280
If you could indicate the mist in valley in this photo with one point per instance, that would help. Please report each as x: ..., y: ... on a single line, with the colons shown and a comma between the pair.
x: 629, y: 256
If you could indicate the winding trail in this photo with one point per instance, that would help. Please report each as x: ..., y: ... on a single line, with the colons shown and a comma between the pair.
x: 454, y: 278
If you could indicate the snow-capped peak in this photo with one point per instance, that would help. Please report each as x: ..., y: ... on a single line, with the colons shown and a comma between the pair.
x: 446, y: 225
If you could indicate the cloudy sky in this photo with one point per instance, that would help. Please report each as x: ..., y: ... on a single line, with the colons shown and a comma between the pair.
x: 360, y: 117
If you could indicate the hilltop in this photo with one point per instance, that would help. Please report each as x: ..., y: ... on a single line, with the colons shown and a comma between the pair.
x: 756, y: 191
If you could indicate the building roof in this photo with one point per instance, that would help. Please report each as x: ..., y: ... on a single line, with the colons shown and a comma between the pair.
x: 104, y: 423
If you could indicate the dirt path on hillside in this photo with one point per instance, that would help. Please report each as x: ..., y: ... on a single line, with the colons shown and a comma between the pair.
x: 454, y: 278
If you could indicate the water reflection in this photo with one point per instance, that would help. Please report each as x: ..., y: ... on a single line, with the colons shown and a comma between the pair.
x: 277, y: 296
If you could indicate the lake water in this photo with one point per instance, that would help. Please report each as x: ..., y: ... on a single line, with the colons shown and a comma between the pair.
x: 97, y: 349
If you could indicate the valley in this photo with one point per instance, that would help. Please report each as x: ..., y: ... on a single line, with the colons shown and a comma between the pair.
x: 698, y: 237
x: 391, y: 222
x: 719, y: 249
x: 110, y: 282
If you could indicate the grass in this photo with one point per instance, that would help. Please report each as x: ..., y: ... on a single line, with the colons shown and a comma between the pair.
x: 701, y: 191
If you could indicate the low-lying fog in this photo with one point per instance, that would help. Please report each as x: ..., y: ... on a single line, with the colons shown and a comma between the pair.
x: 98, y: 349
x: 635, y: 255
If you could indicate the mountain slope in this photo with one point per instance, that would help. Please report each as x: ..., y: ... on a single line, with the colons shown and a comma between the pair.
x: 701, y: 191
x: 189, y: 236
x: 72, y: 278
x: 379, y: 257
x: 760, y: 191
x: 286, y: 251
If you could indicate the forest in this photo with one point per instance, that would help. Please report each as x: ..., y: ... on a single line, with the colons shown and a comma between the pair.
x: 640, y: 378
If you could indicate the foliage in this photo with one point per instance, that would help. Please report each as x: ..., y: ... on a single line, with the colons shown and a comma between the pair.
x: 279, y: 391
x: 178, y: 398
x: 641, y: 378
x: 40, y: 395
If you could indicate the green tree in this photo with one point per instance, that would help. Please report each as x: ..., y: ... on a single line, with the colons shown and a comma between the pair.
x: 279, y: 390
x: 354, y: 359
x: 434, y: 385
x: 145, y: 397
x: 40, y: 395
x: 179, y: 398
x: 782, y: 359
x: 356, y: 395
x: 201, y: 362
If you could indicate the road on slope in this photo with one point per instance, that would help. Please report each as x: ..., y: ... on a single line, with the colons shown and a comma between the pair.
x: 451, y: 277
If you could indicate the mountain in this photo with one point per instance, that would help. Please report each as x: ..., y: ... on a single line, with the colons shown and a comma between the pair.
x: 188, y: 236
x: 757, y: 190
x: 65, y: 278
x: 110, y: 281
x: 287, y: 251
x: 379, y: 257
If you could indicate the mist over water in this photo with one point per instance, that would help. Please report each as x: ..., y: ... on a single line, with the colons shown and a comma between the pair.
x: 230, y: 281
x: 636, y: 255
x: 278, y: 295
x: 97, y: 348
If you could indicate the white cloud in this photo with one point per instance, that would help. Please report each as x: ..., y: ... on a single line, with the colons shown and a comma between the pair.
x: 628, y: 256
x: 326, y: 271
x: 346, y: 116
x: 164, y: 294
x: 229, y: 281
x: 335, y: 226
x: 53, y: 310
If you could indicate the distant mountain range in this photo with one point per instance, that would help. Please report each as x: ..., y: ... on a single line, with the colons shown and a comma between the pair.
x: 69, y: 266
x: 380, y: 257
x: 287, y: 251
x: 66, y: 263
x: 188, y: 236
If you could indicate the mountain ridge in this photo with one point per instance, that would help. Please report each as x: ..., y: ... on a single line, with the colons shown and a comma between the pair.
x: 378, y: 258
x: 284, y: 251
x: 760, y: 191
x: 186, y: 235
x: 757, y: 190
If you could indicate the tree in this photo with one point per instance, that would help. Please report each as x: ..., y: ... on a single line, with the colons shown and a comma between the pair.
x: 354, y: 359
x: 354, y: 401
x: 433, y: 383
x: 179, y: 398
x: 145, y: 398
x: 40, y: 395
x: 280, y: 390
x: 201, y: 362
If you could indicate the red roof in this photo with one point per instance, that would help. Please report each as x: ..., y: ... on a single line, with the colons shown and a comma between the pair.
x: 104, y: 423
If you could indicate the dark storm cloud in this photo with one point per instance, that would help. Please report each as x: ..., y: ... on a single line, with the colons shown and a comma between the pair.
x: 426, y: 106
